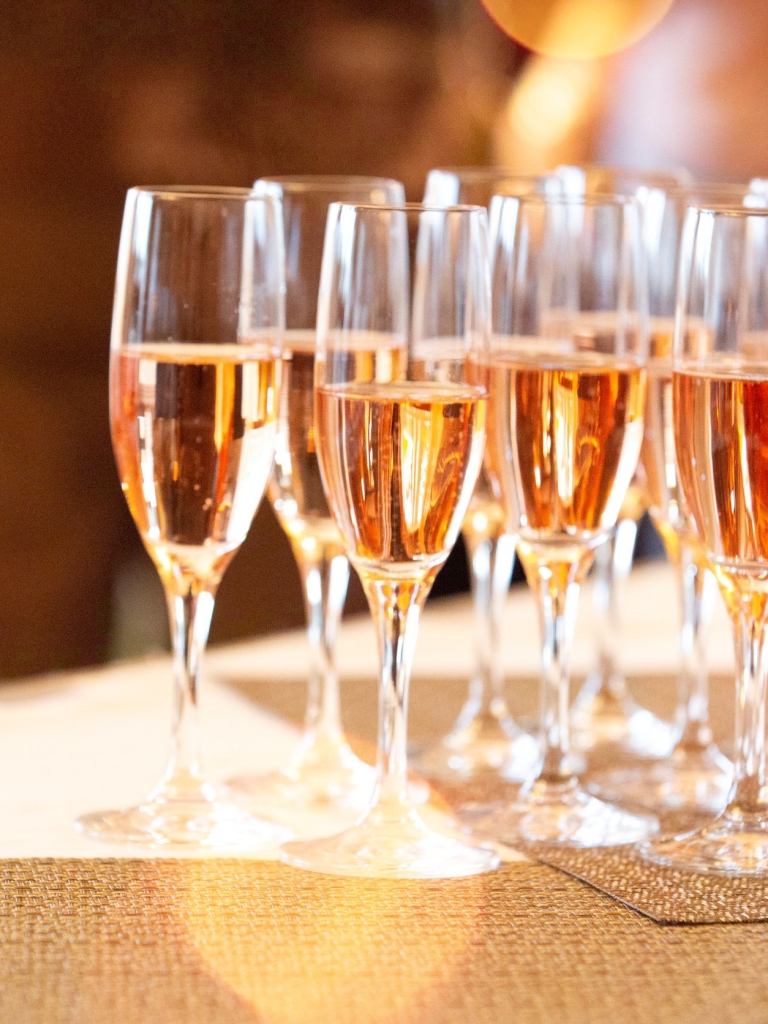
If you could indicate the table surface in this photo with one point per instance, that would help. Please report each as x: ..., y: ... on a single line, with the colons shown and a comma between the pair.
x: 88, y: 935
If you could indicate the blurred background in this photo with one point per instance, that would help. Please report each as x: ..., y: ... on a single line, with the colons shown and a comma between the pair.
x: 98, y: 97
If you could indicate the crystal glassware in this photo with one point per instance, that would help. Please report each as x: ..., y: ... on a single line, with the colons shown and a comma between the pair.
x: 323, y: 774
x: 194, y: 376
x: 401, y: 395
x: 565, y: 428
x: 697, y: 774
x: 485, y: 739
x: 719, y: 396
x: 605, y: 717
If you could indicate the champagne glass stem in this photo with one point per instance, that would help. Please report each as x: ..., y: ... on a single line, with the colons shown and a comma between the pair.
x: 492, y: 559
x: 481, y: 561
x: 557, y: 589
x: 502, y: 565
x: 396, y: 607
x: 190, y: 608
x: 613, y: 562
x: 697, y: 594
x: 748, y: 796
x: 325, y: 575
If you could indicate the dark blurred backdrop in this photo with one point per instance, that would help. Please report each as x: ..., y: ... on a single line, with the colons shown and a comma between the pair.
x: 100, y: 96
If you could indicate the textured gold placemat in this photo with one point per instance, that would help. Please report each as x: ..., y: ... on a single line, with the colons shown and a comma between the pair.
x: 435, y: 703
x: 242, y: 942
x: 664, y: 895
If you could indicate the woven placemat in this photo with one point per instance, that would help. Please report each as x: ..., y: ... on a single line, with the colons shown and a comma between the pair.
x: 664, y: 895
x: 242, y: 942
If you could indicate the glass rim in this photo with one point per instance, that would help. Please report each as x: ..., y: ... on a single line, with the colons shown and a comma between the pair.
x: 325, y: 182
x: 198, y: 192
x: 453, y: 208
x: 617, y: 200
x: 729, y: 209
x: 714, y: 188
x: 484, y: 173
x: 654, y: 175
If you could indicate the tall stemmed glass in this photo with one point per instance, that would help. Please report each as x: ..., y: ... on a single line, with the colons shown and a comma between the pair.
x: 485, y: 737
x: 604, y: 713
x: 323, y: 771
x: 401, y: 393
x: 566, y: 424
x: 697, y: 775
x: 719, y: 401
x: 194, y: 373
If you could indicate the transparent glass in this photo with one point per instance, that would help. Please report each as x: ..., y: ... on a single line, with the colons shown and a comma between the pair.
x: 485, y: 738
x: 567, y: 394
x: 401, y: 395
x: 323, y: 774
x: 605, y: 716
x: 194, y: 376
x: 719, y: 392
x: 697, y: 774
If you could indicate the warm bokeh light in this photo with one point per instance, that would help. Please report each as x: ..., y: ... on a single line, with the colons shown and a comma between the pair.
x: 577, y: 29
x: 548, y: 100
x: 547, y: 109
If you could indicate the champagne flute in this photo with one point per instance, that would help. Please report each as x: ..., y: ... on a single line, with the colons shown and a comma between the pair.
x: 400, y: 441
x: 566, y: 424
x: 485, y: 737
x: 719, y: 395
x: 323, y: 772
x: 604, y: 713
x: 194, y: 373
x: 697, y: 774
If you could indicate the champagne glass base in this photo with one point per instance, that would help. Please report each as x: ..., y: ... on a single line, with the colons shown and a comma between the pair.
x: 483, y: 748
x: 193, y: 815
x: 325, y: 776
x: 391, y: 845
x: 694, y: 778
x: 563, y: 814
x: 731, y: 846
x: 604, y: 719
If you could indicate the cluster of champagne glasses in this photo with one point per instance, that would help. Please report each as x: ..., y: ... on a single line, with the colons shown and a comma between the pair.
x: 533, y: 361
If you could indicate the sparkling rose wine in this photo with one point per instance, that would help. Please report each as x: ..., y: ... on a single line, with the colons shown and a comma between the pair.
x: 400, y: 461
x: 193, y: 429
x: 296, y: 486
x: 485, y: 515
x: 721, y: 435
x: 657, y: 454
x: 564, y: 441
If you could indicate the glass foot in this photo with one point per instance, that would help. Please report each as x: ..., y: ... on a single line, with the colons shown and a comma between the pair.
x: 186, y: 814
x: 560, y: 813
x: 732, y: 845
x: 391, y: 843
x: 324, y: 774
x: 693, y: 778
x: 604, y: 718
x: 485, y: 747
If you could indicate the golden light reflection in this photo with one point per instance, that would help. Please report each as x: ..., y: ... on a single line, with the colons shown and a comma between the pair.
x: 577, y: 29
x: 546, y: 114
x: 291, y: 944
x: 549, y: 99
